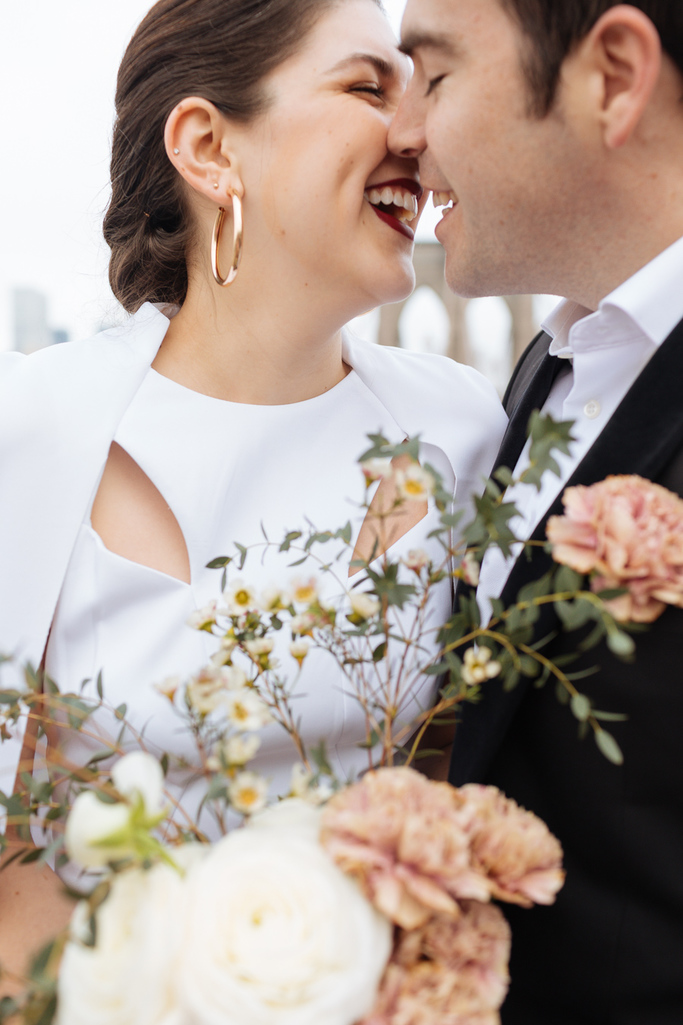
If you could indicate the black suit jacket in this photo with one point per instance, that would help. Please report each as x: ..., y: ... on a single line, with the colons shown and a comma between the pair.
x: 610, y: 951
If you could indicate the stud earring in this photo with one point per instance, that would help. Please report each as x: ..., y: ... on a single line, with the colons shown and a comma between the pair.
x: 215, y: 185
x: 176, y: 151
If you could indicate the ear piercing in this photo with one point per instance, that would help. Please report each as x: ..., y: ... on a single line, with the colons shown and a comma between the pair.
x: 176, y: 151
x: 215, y: 185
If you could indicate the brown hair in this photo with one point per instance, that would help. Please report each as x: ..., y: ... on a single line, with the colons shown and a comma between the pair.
x: 554, y: 27
x: 218, y: 49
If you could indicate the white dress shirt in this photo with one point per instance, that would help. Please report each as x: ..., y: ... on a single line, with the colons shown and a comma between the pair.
x: 605, y: 352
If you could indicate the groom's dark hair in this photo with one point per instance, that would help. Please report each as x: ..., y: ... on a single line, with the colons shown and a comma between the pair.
x: 554, y: 27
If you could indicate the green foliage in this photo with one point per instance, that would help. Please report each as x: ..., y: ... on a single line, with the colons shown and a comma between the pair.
x: 547, y: 437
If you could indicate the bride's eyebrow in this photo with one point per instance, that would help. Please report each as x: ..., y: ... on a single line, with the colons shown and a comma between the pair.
x: 383, y: 67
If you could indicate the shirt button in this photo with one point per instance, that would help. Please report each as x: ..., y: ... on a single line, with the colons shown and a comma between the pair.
x: 592, y: 409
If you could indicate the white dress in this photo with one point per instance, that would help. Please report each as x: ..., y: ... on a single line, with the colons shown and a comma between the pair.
x: 228, y: 472
x: 223, y: 469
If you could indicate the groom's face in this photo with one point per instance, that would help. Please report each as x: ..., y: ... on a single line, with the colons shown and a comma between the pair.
x: 514, y: 179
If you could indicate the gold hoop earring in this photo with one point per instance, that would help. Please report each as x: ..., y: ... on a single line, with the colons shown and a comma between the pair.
x: 237, y: 238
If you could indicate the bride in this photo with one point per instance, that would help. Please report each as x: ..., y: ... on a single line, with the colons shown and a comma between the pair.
x: 255, y: 210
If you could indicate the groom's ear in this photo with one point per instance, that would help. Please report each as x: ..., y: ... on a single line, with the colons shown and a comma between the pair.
x: 619, y: 62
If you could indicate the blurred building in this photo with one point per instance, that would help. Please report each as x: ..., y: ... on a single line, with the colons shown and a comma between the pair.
x: 30, y: 317
x: 429, y: 263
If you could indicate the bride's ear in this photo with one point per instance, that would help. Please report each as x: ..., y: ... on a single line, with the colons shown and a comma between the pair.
x: 200, y: 145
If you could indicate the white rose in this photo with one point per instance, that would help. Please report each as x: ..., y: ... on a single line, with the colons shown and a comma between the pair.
x: 129, y: 977
x: 276, y: 933
x: 89, y: 827
x: 140, y: 775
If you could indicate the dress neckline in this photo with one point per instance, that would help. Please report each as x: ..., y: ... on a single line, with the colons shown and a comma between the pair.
x: 337, y: 390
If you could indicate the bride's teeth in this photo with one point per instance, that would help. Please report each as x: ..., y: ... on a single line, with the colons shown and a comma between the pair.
x: 387, y: 196
x: 374, y: 196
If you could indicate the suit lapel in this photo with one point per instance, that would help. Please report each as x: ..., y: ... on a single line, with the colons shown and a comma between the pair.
x: 642, y: 436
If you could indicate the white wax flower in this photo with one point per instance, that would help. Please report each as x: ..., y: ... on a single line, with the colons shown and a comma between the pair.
x: 276, y: 934
x: 241, y: 749
x: 204, y: 618
x: 376, y: 468
x: 479, y: 666
x: 364, y: 605
x: 299, y: 649
x: 248, y: 793
x: 246, y: 710
x: 300, y: 780
x: 129, y: 977
x: 416, y: 559
x: 206, y: 690
x: 90, y: 825
x: 240, y: 598
x: 259, y: 646
x: 414, y: 483
x: 273, y: 599
x: 139, y: 775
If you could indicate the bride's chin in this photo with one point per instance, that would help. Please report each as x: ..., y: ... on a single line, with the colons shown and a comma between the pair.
x: 394, y: 288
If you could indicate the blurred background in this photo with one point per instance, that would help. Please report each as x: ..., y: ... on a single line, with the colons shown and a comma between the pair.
x: 58, y: 63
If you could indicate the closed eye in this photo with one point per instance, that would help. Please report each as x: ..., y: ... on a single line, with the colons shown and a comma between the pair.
x: 433, y: 82
x: 373, y: 90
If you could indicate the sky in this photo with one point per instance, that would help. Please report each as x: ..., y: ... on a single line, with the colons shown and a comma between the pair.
x: 58, y: 64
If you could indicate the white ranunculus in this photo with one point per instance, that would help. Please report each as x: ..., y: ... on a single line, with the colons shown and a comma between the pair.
x: 276, y: 933
x: 90, y: 824
x: 128, y: 978
x: 139, y: 775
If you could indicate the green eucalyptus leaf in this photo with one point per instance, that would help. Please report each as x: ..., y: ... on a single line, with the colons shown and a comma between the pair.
x: 580, y: 706
x: 567, y: 579
x: 243, y: 555
x: 609, y: 747
x: 220, y: 562
x: 620, y: 644
x: 562, y: 694
x: 610, y: 716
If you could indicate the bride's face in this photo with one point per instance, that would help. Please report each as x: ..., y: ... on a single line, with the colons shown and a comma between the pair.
x: 321, y: 190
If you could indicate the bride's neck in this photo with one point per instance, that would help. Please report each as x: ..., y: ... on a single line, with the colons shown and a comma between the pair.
x: 252, y: 344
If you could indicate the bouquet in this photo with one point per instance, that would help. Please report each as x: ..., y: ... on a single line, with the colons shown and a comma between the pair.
x: 366, y: 900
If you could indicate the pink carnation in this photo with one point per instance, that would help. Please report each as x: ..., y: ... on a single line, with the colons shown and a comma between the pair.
x: 406, y: 840
x: 520, y: 857
x: 626, y: 532
x: 449, y: 972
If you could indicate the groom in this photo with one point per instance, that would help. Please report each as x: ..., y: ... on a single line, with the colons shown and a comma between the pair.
x: 556, y: 128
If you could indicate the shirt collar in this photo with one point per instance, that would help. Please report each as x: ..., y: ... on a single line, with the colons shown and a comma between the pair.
x: 649, y: 304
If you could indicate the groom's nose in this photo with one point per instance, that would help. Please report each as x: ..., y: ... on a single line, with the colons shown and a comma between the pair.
x: 407, y: 130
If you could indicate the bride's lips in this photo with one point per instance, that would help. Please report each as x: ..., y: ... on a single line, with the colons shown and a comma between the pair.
x: 398, y: 186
